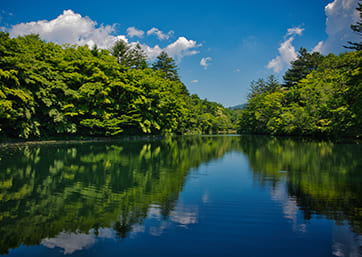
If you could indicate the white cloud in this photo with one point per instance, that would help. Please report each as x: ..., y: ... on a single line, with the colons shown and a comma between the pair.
x: 159, y: 33
x: 286, y: 51
x: 182, y: 47
x: 133, y: 32
x: 340, y: 15
x: 152, y: 52
x: 295, y: 31
x: 70, y: 28
x: 318, y: 47
x: 195, y: 81
x: 204, y: 62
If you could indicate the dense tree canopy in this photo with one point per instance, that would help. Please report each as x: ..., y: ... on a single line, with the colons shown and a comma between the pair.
x: 52, y: 90
x: 326, y: 101
x: 301, y: 67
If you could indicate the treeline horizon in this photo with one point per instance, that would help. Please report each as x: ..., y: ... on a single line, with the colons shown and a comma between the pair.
x: 49, y: 90
x: 320, y: 97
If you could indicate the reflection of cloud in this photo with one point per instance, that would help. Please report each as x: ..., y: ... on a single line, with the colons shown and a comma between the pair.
x: 205, y: 197
x: 136, y: 229
x: 154, y: 212
x: 344, y: 242
x: 289, y: 205
x: 104, y: 233
x: 181, y: 216
x: 158, y: 230
x: 70, y: 242
x: 185, y: 216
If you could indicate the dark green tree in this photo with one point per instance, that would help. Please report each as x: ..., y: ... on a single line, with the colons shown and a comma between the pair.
x: 120, y: 50
x: 301, y: 67
x: 136, y: 58
x: 168, y: 65
x: 358, y: 29
x: 132, y: 57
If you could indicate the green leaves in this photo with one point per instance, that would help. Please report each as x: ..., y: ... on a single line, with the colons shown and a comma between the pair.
x: 47, y: 90
x: 324, y: 102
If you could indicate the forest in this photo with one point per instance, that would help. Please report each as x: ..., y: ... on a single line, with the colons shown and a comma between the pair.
x: 320, y: 96
x: 63, y: 91
x: 50, y: 91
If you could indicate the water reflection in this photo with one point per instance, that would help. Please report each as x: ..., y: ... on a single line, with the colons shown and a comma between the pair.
x: 48, y: 189
x: 69, y: 196
x: 322, y: 178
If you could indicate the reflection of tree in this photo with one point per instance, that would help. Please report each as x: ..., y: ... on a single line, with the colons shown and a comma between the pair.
x: 323, y: 177
x: 47, y: 189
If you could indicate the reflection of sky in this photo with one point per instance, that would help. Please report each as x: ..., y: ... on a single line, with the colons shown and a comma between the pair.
x: 345, y: 243
x: 181, y: 216
x: 71, y: 242
x: 289, y: 205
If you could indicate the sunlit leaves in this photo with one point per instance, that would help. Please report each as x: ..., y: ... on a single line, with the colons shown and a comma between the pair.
x: 323, y: 102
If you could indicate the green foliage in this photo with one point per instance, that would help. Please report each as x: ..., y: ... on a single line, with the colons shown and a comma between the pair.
x: 166, y: 64
x: 80, y: 187
x: 207, y: 117
x: 323, y: 177
x: 48, y: 90
x: 261, y: 86
x: 326, y: 102
x: 128, y: 56
x: 301, y: 67
x: 84, y: 187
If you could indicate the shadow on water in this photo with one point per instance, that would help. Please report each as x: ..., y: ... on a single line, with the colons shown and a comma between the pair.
x: 46, y: 190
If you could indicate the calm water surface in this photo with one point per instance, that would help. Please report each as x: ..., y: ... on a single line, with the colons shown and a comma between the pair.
x: 189, y: 196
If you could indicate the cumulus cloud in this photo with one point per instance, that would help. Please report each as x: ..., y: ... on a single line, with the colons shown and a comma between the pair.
x: 180, y: 48
x: 295, y: 31
x: 340, y: 15
x: 204, y: 62
x: 159, y: 33
x: 287, y: 52
x: 72, y: 28
x: 133, y: 32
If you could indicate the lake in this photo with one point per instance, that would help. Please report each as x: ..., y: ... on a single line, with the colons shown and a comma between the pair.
x: 183, y: 196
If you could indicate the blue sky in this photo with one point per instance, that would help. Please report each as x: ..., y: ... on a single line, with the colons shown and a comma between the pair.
x: 220, y: 46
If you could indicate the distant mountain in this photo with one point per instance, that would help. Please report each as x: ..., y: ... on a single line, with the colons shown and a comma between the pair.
x: 238, y: 107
